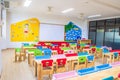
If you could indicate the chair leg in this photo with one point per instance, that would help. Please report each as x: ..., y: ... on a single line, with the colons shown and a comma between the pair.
x: 15, y: 58
x: 20, y: 58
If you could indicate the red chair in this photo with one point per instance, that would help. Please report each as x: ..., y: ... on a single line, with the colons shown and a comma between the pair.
x: 93, y: 50
x: 119, y: 75
x: 61, y: 65
x: 46, y: 68
x: 71, y: 55
x: 86, y: 47
x: 60, y: 51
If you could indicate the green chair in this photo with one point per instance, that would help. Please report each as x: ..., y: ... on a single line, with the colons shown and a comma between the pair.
x: 82, y: 59
x: 31, y: 50
x: 65, y: 48
x: 18, y: 50
x: 98, y: 52
x: 81, y: 62
x: 37, y: 52
x: 17, y: 54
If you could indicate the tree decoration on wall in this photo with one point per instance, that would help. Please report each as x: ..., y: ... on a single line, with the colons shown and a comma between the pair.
x: 25, y: 31
x: 72, y: 32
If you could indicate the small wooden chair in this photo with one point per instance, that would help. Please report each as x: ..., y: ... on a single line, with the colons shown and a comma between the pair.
x: 22, y: 55
x: 61, y: 65
x: 115, y: 56
x: 118, y: 77
x: 17, y: 54
x: 90, y: 61
x: 46, y: 68
x: 98, y: 52
x: 60, y: 51
x: 93, y: 51
x: 81, y: 63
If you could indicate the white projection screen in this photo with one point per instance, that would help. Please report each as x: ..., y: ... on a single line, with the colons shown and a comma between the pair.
x: 51, y: 32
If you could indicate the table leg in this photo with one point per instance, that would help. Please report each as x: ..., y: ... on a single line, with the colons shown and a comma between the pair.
x: 35, y: 68
x: 28, y: 58
x: 103, y: 58
x: 38, y: 71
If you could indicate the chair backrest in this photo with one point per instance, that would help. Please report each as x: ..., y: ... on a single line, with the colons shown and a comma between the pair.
x: 37, y: 52
x: 116, y: 54
x: 108, y: 78
x: 82, y: 59
x: 47, y: 63
x: 25, y: 44
x: 47, y: 52
x: 61, y: 62
x: 90, y: 58
x: 98, y: 49
x: 60, y: 51
x: 17, y: 50
x: 93, y: 49
x: 39, y: 47
x: 105, y: 50
x: 119, y: 75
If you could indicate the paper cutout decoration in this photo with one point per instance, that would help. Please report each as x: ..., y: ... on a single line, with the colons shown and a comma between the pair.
x: 25, y: 31
x: 72, y: 32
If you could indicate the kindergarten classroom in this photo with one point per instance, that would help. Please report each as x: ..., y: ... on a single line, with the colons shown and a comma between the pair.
x: 59, y: 39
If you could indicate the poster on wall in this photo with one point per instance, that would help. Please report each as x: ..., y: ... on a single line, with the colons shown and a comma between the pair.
x: 25, y: 31
x: 72, y: 32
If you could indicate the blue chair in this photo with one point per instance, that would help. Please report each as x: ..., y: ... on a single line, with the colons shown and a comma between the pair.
x: 25, y: 44
x: 108, y: 78
x: 48, y: 52
x: 90, y: 58
x: 90, y: 61
x: 39, y: 47
x: 105, y: 50
x: 115, y: 56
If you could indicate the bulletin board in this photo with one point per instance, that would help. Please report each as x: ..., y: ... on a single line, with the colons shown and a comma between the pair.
x: 25, y: 31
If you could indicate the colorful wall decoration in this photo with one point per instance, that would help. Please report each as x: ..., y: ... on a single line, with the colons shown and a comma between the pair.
x: 25, y: 31
x: 72, y: 32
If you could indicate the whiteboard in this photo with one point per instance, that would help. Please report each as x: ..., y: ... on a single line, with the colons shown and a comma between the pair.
x: 50, y: 32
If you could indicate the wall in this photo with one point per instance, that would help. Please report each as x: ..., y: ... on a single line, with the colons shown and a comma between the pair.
x: 50, y: 19
x: 3, y: 37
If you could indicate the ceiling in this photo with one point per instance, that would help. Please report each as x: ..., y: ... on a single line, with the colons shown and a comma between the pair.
x: 82, y: 8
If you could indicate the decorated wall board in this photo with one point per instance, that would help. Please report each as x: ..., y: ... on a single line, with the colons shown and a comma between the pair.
x: 25, y: 31
x: 72, y: 32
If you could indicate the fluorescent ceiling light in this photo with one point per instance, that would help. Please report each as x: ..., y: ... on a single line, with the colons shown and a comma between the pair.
x: 27, y: 3
x: 68, y: 10
x: 92, y: 16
